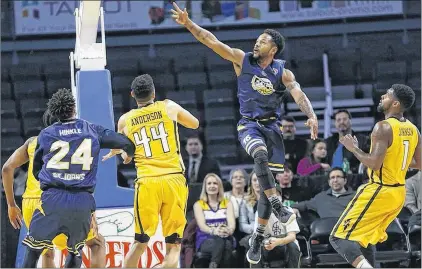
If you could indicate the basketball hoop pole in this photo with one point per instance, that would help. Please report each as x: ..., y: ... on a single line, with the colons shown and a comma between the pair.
x: 88, y: 55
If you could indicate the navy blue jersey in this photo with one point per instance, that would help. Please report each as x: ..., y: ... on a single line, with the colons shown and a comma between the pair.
x: 67, y: 154
x: 260, y: 91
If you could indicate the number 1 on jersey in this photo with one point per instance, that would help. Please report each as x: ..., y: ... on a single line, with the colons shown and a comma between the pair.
x: 406, y: 153
x: 142, y: 138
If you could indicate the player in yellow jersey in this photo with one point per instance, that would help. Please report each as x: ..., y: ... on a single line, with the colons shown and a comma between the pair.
x: 161, y: 189
x: 395, y: 146
x: 31, y: 200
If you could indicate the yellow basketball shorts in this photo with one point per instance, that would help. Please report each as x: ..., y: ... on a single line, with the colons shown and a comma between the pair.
x: 368, y: 215
x: 164, y: 196
x: 28, y: 208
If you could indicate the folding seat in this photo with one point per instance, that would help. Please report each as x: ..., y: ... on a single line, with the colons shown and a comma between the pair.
x: 156, y: 65
x: 33, y: 107
x: 223, y: 79
x: 32, y: 126
x: 118, y: 103
x: 216, y: 63
x: 219, y: 97
x: 6, y: 90
x: 57, y: 70
x: 192, y: 81
x: 10, y: 127
x: 8, y: 109
x: 25, y: 72
x: 54, y: 84
x: 189, y: 64
x: 26, y: 89
x: 121, y: 84
x: 220, y: 114
x: 187, y: 99
x: 220, y: 132
x: 123, y: 67
x: 10, y: 143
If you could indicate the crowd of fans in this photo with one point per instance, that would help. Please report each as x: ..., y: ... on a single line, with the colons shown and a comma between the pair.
x: 320, y: 178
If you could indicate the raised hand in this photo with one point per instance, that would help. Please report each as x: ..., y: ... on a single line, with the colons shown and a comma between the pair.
x: 312, y: 123
x: 113, y: 152
x: 179, y: 16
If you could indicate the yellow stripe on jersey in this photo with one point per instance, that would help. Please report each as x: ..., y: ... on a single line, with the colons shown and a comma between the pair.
x: 399, y: 155
x: 156, y: 139
x: 32, y: 189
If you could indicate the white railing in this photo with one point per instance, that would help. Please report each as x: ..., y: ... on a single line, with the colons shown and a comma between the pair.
x: 328, y: 111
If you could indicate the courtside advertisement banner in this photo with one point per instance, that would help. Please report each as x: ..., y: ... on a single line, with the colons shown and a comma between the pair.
x: 117, y: 225
x: 52, y: 17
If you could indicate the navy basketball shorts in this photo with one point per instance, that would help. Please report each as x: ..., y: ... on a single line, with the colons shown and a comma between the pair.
x: 61, y: 211
x: 252, y: 134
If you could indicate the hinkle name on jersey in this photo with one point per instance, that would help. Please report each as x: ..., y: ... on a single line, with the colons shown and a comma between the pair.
x: 148, y: 117
x: 70, y: 131
x: 65, y: 176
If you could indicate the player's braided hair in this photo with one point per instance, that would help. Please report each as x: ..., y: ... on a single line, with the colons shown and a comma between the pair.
x: 48, y: 119
x: 62, y: 104
x: 277, y: 38
x: 405, y: 95
x: 143, y: 87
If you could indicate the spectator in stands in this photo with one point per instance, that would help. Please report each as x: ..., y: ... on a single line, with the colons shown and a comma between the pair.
x: 337, y: 155
x: 295, y: 148
x: 296, y: 188
x: 216, y: 223
x: 237, y: 194
x: 281, y: 244
x: 198, y: 165
x: 248, y: 208
x: 413, y: 199
x: 315, y: 163
x: 330, y: 203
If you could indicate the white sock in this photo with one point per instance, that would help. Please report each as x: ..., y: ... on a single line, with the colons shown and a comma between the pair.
x: 364, y: 264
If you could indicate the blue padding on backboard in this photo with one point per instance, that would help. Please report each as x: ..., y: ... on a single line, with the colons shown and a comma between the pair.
x: 95, y: 104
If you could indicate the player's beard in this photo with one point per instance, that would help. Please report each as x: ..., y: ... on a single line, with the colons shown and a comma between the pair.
x: 381, y: 108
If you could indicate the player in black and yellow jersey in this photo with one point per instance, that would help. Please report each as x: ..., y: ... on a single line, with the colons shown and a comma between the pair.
x: 395, y: 146
x: 161, y: 188
x: 31, y: 201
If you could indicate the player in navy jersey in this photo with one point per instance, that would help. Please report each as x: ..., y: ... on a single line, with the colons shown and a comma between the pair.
x: 65, y: 163
x: 260, y: 78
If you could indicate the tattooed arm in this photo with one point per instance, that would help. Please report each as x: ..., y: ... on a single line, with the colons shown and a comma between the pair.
x: 301, y: 100
x: 207, y: 38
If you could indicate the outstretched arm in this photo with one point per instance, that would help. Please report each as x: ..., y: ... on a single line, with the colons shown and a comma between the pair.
x: 381, y: 137
x: 207, y: 38
x: 289, y: 80
x: 17, y: 159
x: 181, y: 115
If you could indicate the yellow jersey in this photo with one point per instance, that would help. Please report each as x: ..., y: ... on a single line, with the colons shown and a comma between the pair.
x: 155, y: 135
x: 399, y: 154
x: 32, y: 189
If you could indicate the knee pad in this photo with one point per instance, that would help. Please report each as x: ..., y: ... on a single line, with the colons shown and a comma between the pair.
x: 142, y: 238
x: 173, y: 239
x: 261, y: 163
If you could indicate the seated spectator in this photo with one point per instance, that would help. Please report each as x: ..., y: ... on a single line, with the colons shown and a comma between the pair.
x: 197, y: 165
x: 337, y: 154
x: 237, y: 194
x: 249, y: 207
x: 314, y: 164
x: 413, y: 199
x: 216, y: 223
x: 330, y: 203
x: 281, y: 243
x: 295, y: 148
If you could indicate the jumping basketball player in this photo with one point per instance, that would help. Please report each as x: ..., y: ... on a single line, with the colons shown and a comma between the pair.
x: 65, y: 163
x: 31, y: 199
x: 161, y: 188
x: 259, y: 76
x: 395, y: 146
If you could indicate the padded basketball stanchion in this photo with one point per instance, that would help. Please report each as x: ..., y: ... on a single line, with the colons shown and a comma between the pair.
x: 95, y: 104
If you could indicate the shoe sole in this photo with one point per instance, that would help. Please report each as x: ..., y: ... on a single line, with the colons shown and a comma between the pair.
x: 251, y: 261
x: 290, y: 220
